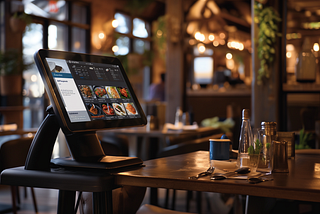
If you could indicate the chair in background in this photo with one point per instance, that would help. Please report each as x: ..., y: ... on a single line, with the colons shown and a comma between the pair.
x: 182, y: 148
x: 13, y: 153
x: 150, y: 209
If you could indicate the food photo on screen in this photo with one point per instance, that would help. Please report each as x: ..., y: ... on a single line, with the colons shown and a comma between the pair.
x: 86, y: 91
x: 119, y: 109
x: 95, y: 110
x: 107, y: 109
x: 58, y: 65
x: 112, y: 92
x: 130, y: 109
x: 124, y: 93
x: 100, y: 92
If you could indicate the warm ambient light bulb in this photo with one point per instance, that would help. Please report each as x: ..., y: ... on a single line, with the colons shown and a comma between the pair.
x: 201, y: 48
x: 101, y: 35
x: 316, y: 47
x: 289, y: 54
x: 229, y: 56
x: 115, y: 48
x: 115, y: 23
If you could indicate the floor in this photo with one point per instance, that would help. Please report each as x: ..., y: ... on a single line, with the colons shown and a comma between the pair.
x: 47, y: 200
x: 211, y: 202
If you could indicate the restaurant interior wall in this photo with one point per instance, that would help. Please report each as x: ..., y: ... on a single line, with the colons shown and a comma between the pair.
x: 217, y: 32
x: 302, y: 98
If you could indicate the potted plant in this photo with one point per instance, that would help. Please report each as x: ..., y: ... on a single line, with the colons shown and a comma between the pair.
x: 11, y: 67
x: 19, y: 21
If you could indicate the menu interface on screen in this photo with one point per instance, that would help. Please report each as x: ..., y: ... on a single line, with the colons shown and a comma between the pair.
x: 92, y: 91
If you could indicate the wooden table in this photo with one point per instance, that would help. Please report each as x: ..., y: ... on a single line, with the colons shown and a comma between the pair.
x: 19, y: 132
x: 13, y: 114
x: 301, y: 183
x: 133, y: 134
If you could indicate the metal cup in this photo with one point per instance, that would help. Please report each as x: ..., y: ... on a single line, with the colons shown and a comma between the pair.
x: 280, y: 157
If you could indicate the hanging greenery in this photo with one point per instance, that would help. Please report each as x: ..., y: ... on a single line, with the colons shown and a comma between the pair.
x: 267, y: 19
x: 136, y: 7
x: 160, y: 36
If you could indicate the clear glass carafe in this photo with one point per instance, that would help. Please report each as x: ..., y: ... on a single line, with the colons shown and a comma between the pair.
x: 245, y: 140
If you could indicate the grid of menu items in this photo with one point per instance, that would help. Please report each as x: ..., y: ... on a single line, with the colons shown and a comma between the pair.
x: 101, y: 73
x: 82, y: 72
x: 108, y: 102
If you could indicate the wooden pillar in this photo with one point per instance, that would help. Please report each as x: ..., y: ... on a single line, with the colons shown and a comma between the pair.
x: 174, y: 59
x: 264, y: 97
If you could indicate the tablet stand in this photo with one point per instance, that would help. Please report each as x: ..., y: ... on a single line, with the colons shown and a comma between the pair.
x: 84, y: 146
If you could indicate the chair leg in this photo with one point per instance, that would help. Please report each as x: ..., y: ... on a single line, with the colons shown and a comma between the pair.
x: 166, y: 202
x: 34, y: 200
x: 18, y: 195
x: 173, y: 201
x: 13, y: 196
x: 199, y: 202
x: 189, y: 197
x: 25, y: 192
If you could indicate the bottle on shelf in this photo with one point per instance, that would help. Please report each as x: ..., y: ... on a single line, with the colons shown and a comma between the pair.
x: 306, y: 66
x: 245, y: 140
x: 178, y: 120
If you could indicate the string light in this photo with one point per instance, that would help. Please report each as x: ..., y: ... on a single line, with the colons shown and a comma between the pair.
x: 115, y: 23
x: 201, y: 48
x: 211, y: 37
x: 316, y: 46
x: 101, y: 35
x: 229, y: 56
x: 115, y: 48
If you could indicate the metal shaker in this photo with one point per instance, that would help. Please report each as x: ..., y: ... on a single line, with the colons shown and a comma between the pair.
x: 268, y: 134
x: 280, y: 157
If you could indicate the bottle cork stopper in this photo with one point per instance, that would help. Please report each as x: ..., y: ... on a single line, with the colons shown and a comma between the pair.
x: 245, y: 114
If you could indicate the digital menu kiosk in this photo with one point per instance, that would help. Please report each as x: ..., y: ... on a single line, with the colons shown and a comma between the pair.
x: 87, y: 93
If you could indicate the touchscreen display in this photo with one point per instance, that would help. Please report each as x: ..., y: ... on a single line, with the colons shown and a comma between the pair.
x: 92, y: 91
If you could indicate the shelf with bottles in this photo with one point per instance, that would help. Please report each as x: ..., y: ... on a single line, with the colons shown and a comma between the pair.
x: 301, y: 87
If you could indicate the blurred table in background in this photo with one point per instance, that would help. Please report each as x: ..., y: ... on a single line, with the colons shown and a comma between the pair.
x: 13, y: 114
x: 140, y: 138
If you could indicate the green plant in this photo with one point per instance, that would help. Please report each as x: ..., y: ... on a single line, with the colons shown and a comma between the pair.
x: 12, y: 63
x: 256, y: 149
x: 23, y: 16
x: 160, y: 36
x: 136, y: 7
x: 267, y: 19
x: 304, y: 138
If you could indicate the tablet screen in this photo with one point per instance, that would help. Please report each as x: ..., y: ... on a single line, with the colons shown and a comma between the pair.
x: 89, y: 91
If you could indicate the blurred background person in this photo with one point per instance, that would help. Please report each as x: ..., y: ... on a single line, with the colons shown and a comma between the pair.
x: 157, y: 90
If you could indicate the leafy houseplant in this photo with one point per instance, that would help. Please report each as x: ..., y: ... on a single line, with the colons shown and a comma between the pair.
x: 304, y: 138
x: 19, y: 21
x: 11, y: 67
x: 267, y: 19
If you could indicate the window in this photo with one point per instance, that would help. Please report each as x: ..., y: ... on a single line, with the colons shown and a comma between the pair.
x: 134, y: 36
x: 59, y: 25
x: 203, y: 70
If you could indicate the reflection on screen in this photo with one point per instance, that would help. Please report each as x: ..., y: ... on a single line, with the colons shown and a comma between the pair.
x: 92, y: 91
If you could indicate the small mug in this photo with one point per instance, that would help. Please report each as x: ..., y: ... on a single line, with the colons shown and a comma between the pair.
x: 219, y: 149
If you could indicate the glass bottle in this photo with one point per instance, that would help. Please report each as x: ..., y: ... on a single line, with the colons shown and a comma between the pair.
x: 245, y: 140
x: 306, y: 67
x: 178, y: 120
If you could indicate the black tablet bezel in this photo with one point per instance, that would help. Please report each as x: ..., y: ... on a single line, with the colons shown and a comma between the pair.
x: 56, y: 100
